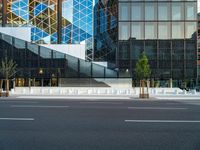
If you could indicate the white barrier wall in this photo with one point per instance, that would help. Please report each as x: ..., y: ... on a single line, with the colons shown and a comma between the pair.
x: 97, y: 91
x: 116, y: 82
x: 76, y: 50
x: 23, y: 33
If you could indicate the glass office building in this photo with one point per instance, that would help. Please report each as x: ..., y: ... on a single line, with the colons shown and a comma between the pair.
x: 1, y: 9
x: 198, y: 34
x: 165, y: 31
x: 51, y: 21
x: 105, y: 30
x: 41, y: 66
x: 116, y: 31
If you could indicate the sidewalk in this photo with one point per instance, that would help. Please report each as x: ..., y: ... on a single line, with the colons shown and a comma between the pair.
x: 70, y: 97
x: 178, y: 97
x: 106, y: 97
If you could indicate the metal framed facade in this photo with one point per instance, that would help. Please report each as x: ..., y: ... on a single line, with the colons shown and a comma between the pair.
x: 105, y: 31
x: 165, y: 31
x: 38, y: 62
x: 52, y: 21
x: 198, y: 44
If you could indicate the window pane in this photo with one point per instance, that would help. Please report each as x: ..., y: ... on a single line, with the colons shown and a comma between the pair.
x: 177, y: 30
x: 1, y: 6
x: 190, y: 29
x: 164, y: 30
x: 137, y: 11
x: 150, y: 11
x: 137, y: 30
x: 163, y: 11
x: 177, y: 11
x: 190, y: 11
x: 124, y: 31
x: 124, y: 11
x: 150, y: 30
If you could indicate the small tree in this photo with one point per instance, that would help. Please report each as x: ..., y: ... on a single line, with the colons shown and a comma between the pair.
x: 7, y: 70
x: 142, y: 71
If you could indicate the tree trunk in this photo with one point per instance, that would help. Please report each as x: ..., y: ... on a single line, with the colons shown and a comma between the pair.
x: 1, y: 85
x: 7, y: 87
x: 143, y: 84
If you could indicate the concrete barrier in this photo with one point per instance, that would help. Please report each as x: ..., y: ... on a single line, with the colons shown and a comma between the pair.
x: 97, y: 91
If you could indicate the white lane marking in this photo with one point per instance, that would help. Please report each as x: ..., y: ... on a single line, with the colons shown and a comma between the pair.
x: 18, y: 102
x: 37, y: 106
x: 163, y: 121
x: 18, y: 119
x: 116, y: 103
x: 179, y: 98
x: 70, y: 97
x: 158, y: 108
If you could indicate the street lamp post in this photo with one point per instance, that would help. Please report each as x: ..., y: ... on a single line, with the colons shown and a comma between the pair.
x: 40, y: 73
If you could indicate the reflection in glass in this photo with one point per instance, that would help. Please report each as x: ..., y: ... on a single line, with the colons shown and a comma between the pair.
x: 190, y: 29
x: 164, y: 30
x: 124, y: 31
x: 150, y: 30
x: 0, y: 12
x: 137, y: 11
x: 124, y: 11
x: 150, y: 11
x: 190, y: 10
x: 177, y: 11
x: 163, y: 11
x: 137, y: 30
x: 177, y: 30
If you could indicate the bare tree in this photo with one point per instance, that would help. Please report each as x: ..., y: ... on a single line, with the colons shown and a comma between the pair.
x: 7, y: 70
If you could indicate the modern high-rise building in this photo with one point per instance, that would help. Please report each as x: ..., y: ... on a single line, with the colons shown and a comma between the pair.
x: 164, y: 30
x: 51, y: 21
x: 110, y: 32
x: 106, y: 31
x: 198, y: 34
x: 50, y: 40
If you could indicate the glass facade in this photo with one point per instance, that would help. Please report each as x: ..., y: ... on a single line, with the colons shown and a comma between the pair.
x: 198, y: 42
x: 165, y: 31
x: 53, y: 21
x: 105, y: 30
x: 116, y: 31
x: 79, y: 14
x: 38, y: 62
x: 1, y: 10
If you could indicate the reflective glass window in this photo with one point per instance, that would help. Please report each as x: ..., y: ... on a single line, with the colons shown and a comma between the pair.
x: 0, y: 12
x: 190, y: 29
x: 164, y: 30
x: 163, y: 11
x: 150, y: 11
x: 124, y: 31
x: 137, y: 30
x: 150, y: 30
x: 124, y: 11
x: 137, y: 11
x: 177, y: 11
x: 177, y: 30
x: 190, y: 11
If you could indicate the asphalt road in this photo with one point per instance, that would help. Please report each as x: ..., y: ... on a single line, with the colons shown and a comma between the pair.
x: 99, y: 125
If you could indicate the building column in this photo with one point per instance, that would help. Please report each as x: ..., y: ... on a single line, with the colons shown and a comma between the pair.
x: 59, y: 21
x: 4, y: 13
